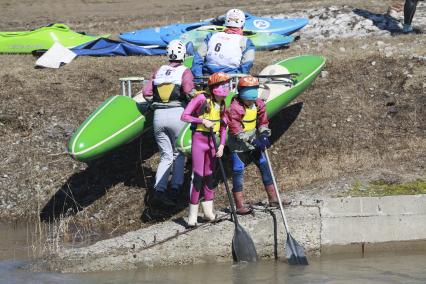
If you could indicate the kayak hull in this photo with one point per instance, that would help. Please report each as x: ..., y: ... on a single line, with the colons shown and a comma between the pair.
x: 308, y: 66
x: 279, y: 26
x: 115, y: 122
x: 161, y: 36
x: 42, y: 38
x: 261, y: 40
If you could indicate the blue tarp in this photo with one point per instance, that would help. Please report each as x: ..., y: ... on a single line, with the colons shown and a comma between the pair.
x: 108, y: 47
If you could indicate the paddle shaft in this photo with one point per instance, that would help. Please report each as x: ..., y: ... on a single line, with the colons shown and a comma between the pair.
x: 228, y: 192
x: 288, y: 75
x: 276, y: 191
x: 243, y: 248
x: 290, y: 241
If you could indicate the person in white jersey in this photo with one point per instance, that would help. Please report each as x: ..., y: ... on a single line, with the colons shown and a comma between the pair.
x: 169, y: 89
x: 228, y: 51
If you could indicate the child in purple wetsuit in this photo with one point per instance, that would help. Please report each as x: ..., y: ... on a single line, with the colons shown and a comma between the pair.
x: 206, y: 112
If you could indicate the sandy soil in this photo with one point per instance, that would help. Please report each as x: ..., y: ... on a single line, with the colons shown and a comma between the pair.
x: 363, y: 119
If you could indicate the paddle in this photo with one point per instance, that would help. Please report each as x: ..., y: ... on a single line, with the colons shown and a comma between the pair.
x: 243, y: 248
x: 295, y: 254
x: 288, y: 75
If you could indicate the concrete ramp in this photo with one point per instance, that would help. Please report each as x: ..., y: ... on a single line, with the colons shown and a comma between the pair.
x: 330, y: 223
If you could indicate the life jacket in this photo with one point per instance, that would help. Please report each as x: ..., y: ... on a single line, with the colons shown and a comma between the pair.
x: 167, y: 84
x: 250, y: 118
x: 211, y: 111
x: 224, y: 50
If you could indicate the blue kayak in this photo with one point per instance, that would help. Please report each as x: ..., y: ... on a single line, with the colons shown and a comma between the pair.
x: 161, y: 36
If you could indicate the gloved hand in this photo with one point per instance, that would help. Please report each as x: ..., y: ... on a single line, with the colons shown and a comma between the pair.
x: 199, y: 86
x: 261, y: 142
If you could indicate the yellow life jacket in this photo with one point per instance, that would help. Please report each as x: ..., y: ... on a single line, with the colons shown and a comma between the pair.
x: 167, y: 83
x: 213, y: 115
x: 166, y: 92
x: 249, y: 119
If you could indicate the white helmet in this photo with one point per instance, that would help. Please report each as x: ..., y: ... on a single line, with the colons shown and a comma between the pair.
x: 176, y: 50
x: 235, y: 18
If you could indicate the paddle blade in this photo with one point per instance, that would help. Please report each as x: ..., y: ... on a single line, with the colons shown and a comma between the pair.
x: 243, y: 248
x: 294, y: 252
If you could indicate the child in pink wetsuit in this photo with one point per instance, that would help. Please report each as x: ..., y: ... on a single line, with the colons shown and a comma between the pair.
x: 206, y: 112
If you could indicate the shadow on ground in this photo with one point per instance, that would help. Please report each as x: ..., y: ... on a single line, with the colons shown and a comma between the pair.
x: 87, y: 186
x: 282, y: 121
x: 381, y: 21
x: 157, y: 213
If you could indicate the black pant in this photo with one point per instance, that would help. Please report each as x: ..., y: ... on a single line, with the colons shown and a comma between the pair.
x: 409, y: 10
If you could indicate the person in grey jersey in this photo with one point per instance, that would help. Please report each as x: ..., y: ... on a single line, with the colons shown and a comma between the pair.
x: 169, y: 89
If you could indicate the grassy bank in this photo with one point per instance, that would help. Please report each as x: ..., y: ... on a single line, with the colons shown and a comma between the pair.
x: 384, y: 188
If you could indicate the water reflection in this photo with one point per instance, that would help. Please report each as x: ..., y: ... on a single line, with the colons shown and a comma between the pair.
x: 15, y: 241
x: 374, y: 269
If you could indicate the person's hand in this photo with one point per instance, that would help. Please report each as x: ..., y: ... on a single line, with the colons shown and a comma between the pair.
x: 219, y: 152
x: 199, y: 86
x: 258, y: 144
x: 207, y: 123
x: 265, y: 140
x: 261, y: 142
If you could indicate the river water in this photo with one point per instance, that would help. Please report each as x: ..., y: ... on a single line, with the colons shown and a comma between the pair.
x: 383, y: 269
x: 389, y: 267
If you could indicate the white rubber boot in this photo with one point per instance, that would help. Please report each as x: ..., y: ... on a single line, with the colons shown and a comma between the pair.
x: 208, y: 210
x: 193, y: 214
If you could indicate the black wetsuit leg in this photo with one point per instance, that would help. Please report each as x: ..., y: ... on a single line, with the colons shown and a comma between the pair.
x: 409, y: 10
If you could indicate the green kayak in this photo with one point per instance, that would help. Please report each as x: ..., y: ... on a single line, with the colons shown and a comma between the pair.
x: 277, y: 96
x: 42, y: 38
x: 115, y: 122
x: 120, y: 119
